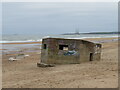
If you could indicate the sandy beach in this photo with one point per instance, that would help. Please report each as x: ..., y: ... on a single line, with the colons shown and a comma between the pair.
x: 24, y: 73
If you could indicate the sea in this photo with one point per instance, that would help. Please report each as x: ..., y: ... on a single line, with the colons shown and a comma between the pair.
x: 17, y: 38
x: 12, y: 38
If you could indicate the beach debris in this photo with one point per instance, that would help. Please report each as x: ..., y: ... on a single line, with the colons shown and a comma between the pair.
x: 45, y: 65
x: 18, y: 57
x: 22, y: 56
x: 26, y: 55
x: 12, y: 59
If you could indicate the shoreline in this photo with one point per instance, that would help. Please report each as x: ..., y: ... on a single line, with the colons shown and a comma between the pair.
x: 7, y: 48
x: 40, y: 42
x: 23, y: 43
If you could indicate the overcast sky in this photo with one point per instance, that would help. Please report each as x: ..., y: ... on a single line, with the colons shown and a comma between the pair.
x: 57, y: 18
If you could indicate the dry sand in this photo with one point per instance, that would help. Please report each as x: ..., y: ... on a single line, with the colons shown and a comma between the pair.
x: 96, y: 74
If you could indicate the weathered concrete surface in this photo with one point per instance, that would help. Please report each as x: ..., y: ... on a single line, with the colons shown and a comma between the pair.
x: 69, y: 51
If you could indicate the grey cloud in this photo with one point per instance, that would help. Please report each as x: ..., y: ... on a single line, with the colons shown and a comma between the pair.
x: 64, y: 17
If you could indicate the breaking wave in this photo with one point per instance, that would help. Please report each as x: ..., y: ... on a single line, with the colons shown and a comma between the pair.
x: 21, y: 39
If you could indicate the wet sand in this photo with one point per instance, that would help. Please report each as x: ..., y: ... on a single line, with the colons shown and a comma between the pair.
x: 24, y: 73
x: 22, y: 43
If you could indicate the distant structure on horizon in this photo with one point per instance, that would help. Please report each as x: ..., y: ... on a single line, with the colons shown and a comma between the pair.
x: 77, y: 33
x: 68, y: 51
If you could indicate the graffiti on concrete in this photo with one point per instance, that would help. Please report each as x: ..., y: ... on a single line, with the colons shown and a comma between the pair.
x: 70, y: 53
